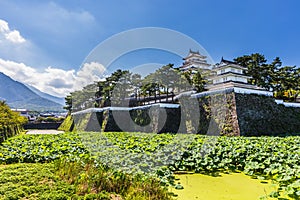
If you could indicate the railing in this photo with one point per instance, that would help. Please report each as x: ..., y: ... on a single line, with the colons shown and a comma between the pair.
x: 139, y: 100
x: 148, y: 100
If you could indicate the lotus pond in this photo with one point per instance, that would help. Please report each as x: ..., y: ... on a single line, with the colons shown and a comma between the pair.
x: 275, y: 160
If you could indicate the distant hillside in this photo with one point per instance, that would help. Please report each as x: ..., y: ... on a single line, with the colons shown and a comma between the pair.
x: 17, y: 95
x: 55, y: 99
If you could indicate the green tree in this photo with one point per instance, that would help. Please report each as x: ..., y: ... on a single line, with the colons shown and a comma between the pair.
x: 9, y: 117
x: 256, y: 64
x: 122, y: 90
x: 198, y: 81
x: 287, y: 83
x: 283, y: 81
x: 163, y: 81
x: 118, y: 88
x: 84, y: 98
x: 68, y: 103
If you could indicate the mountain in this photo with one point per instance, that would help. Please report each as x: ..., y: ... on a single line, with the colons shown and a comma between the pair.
x: 59, y: 100
x: 17, y: 95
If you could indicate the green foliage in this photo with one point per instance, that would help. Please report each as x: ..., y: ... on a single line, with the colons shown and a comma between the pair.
x: 136, y: 152
x: 272, y: 158
x: 122, y: 88
x: 68, y: 102
x: 167, y: 80
x: 283, y: 80
x: 140, y: 117
x: 257, y: 67
x: 10, y: 122
x: 8, y: 117
x: 198, y: 81
x: 156, y: 155
x: 103, y: 91
x: 82, y: 99
x: 89, y: 177
x: 120, y: 85
x: 139, y: 142
x: 41, y: 148
x: 81, y: 121
x: 72, y: 175
x: 38, y: 181
x: 50, y: 119
x: 287, y: 83
x: 67, y: 125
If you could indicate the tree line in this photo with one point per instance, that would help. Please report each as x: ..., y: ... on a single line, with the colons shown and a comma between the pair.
x: 284, y: 81
x: 122, y: 85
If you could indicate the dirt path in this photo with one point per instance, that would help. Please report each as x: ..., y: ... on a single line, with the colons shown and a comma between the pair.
x: 50, y: 131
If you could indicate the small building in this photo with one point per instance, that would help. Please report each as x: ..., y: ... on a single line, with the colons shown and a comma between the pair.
x: 21, y: 111
x: 227, y: 71
x: 25, y: 113
x: 195, y: 60
x: 228, y: 74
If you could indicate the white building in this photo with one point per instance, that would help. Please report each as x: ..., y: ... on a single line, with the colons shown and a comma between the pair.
x: 226, y: 71
x: 195, y: 60
x: 21, y: 111
x: 227, y: 74
x: 223, y: 75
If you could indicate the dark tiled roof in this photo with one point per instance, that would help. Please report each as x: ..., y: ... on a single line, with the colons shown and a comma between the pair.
x: 227, y: 61
x: 194, y: 52
x: 230, y: 72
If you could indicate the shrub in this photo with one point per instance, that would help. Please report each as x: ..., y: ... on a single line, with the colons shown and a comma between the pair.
x: 10, y: 122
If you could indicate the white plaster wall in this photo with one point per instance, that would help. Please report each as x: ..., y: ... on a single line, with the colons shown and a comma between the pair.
x: 251, y: 91
x: 222, y: 71
x: 240, y: 79
x: 230, y: 78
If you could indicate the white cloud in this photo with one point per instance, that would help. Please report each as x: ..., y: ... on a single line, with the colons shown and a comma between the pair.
x: 13, y: 36
x: 54, y: 28
x: 51, y: 80
x: 89, y: 73
x: 13, y: 46
x: 53, y: 20
x: 3, y: 26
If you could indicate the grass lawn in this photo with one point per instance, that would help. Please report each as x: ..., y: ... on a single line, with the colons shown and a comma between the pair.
x: 32, y: 181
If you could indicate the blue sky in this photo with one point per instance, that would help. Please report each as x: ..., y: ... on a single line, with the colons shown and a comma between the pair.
x: 44, y: 43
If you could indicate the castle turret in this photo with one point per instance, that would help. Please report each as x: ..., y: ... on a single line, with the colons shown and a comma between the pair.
x: 227, y: 74
x: 195, y: 60
x: 227, y: 71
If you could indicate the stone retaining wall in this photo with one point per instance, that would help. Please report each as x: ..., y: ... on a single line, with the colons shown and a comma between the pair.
x: 220, y: 113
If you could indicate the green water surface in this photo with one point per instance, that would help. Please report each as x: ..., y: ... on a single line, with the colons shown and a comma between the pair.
x: 234, y: 186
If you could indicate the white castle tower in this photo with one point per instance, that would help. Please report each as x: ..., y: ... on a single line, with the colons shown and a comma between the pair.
x: 195, y: 60
x: 228, y: 74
